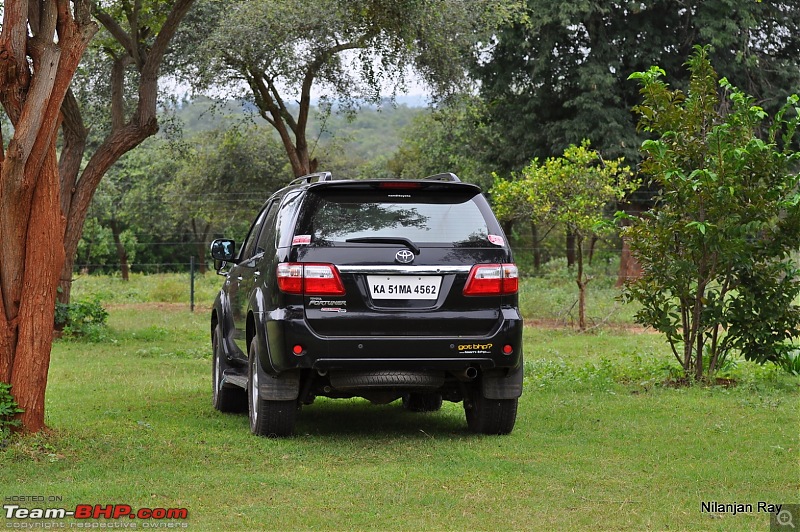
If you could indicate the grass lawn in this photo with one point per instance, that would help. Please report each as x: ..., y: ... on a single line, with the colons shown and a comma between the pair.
x: 600, y: 443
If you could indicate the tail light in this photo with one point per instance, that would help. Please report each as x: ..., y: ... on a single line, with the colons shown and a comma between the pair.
x: 309, y: 279
x: 492, y: 280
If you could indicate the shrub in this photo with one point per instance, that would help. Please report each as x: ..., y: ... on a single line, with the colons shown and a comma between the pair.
x: 81, y: 319
x: 716, y: 250
x: 8, y: 409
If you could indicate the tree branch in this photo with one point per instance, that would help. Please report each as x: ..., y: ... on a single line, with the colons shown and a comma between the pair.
x: 116, y: 31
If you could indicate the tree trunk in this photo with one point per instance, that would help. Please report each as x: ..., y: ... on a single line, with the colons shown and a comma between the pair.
x: 44, y: 258
x: 629, y: 267
x: 592, y: 245
x: 537, y: 250
x: 122, y: 254
x: 201, y: 237
x: 570, y: 249
x: 40, y: 47
x: 581, y: 282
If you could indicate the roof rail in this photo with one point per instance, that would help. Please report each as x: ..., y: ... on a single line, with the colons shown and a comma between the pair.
x: 447, y: 176
x: 311, y: 178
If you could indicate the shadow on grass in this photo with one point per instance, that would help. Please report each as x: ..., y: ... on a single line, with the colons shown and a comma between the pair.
x: 359, y: 418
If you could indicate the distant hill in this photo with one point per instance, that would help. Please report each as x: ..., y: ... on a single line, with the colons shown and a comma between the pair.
x: 373, y: 135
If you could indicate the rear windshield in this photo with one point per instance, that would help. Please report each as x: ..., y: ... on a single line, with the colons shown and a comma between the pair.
x: 430, y: 218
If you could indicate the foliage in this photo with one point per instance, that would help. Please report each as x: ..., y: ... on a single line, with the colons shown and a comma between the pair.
x: 789, y: 361
x: 574, y: 191
x: 559, y: 74
x: 168, y: 199
x: 8, y: 410
x: 272, y: 52
x: 84, y: 319
x: 716, y: 249
x: 448, y: 139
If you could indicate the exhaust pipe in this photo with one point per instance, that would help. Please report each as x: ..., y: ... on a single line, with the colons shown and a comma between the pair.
x: 468, y: 374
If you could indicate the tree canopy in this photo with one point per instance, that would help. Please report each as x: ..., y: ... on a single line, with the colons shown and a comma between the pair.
x: 275, y: 53
x: 560, y: 74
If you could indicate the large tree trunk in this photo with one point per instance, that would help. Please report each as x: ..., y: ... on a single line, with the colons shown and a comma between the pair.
x: 43, y: 203
x: 44, y: 258
x: 40, y: 48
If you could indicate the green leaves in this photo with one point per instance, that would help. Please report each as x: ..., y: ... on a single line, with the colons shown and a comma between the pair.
x: 8, y: 409
x: 715, y: 249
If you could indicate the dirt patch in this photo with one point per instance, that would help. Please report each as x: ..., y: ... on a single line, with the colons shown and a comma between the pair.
x: 556, y: 324
x: 685, y: 382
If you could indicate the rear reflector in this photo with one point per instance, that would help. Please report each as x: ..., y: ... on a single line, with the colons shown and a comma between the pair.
x: 492, y: 280
x: 309, y: 279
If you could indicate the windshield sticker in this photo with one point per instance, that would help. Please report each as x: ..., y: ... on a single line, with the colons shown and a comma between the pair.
x: 497, y: 240
x: 301, y: 240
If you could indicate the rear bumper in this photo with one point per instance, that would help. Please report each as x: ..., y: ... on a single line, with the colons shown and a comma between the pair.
x: 285, y: 330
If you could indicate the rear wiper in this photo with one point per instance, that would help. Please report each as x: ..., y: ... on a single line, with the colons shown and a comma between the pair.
x: 386, y: 240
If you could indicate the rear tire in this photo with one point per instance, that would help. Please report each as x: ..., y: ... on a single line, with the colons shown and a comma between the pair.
x: 422, y: 402
x: 490, y: 416
x: 272, y: 419
x: 225, y: 398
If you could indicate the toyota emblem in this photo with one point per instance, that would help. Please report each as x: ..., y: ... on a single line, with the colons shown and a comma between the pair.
x: 404, y: 256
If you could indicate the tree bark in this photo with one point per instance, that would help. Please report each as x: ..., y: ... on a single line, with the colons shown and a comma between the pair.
x: 537, y: 249
x: 201, y: 237
x: 122, y: 254
x: 629, y: 267
x: 570, y: 249
x: 31, y: 215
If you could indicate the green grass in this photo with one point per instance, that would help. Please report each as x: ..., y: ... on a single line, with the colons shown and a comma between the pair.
x: 600, y: 443
x: 144, y: 288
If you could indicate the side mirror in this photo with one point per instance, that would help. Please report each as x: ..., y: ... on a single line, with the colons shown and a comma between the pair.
x: 222, y: 251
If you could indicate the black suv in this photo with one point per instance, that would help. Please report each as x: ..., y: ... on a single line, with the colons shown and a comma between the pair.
x: 382, y: 289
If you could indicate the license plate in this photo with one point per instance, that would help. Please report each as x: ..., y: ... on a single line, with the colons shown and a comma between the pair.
x: 404, y: 286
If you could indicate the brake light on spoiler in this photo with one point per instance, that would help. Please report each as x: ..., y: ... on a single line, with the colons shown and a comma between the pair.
x: 492, y: 280
x: 311, y: 279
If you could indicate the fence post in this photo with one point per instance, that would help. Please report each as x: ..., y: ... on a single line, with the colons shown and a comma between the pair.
x: 191, y: 275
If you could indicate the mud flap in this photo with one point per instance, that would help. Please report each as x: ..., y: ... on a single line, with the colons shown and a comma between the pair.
x: 495, y: 385
x: 284, y: 387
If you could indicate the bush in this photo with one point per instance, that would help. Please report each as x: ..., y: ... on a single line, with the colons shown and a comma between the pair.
x: 715, y: 251
x: 790, y: 362
x: 81, y: 319
x: 8, y: 409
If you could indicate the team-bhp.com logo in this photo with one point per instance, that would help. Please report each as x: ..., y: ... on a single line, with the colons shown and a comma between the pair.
x: 95, y: 511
